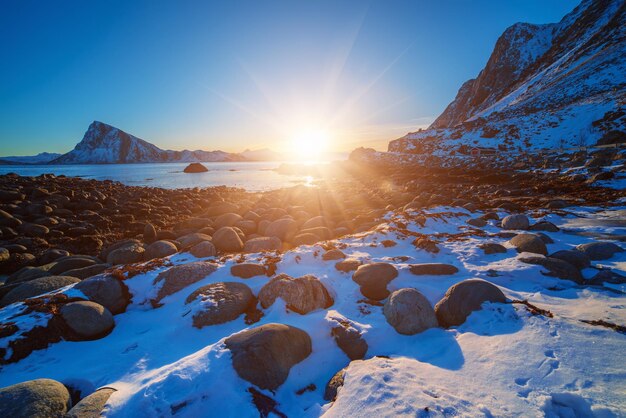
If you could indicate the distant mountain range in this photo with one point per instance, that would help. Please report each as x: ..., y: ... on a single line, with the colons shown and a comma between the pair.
x: 544, y: 86
x: 105, y: 144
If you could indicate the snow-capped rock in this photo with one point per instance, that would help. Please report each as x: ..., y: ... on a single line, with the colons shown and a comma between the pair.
x: 105, y: 144
x: 556, y: 85
x: 41, y: 158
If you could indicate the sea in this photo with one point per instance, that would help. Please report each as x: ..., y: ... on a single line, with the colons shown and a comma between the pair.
x: 252, y: 176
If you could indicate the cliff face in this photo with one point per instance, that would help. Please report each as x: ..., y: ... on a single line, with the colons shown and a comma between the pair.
x: 544, y: 86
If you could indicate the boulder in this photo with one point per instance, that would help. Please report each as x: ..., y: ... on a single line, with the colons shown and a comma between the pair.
x: 159, y: 249
x: 284, y: 229
x: 477, y: 222
x: 89, y: 320
x: 51, y: 255
x: 107, y: 291
x: 256, y: 245
x: 178, y: 277
x: 227, y: 240
x: 264, y: 355
x: 333, y: 255
x: 104, y: 254
x: 578, y: 259
x: 333, y: 386
x: 36, y: 287
x: 349, y: 339
x: 518, y: 221
x: 204, y: 249
x: 126, y: 255
x: 34, y: 230
x: 40, y: 398
x: 85, y: 272
x: 599, y: 250
x: 227, y: 219
x: 409, y: 312
x: 195, y: 168
x: 373, y: 279
x: 305, y: 239
x: 4, y: 255
x: 71, y: 263
x: 544, y: 226
x: 529, y: 243
x: 463, y: 298
x: 433, y: 269
x: 220, y: 302
x: 189, y: 240
x: 247, y: 270
x: 149, y: 233
x: 557, y: 267
x: 302, y: 295
x: 347, y: 265
x: 492, y: 248
x: 91, y: 406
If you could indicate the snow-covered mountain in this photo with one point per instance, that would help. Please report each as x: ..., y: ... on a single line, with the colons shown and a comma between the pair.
x: 545, y: 86
x: 105, y: 144
x: 41, y: 158
x: 264, y: 154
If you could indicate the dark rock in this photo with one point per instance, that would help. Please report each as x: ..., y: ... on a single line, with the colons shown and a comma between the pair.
x: 85, y: 272
x: 89, y: 320
x: 178, y: 277
x: 518, y: 221
x: 348, y: 265
x: 477, y: 222
x: 41, y: 398
x: 195, y: 168
x: 435, y: 269
x: 34, y: 230
x: 126, y: 255
x: 264, y: 355
x: 159, y: 249
x: 256, y: 245
x: 373, y: 279
x: 204, y: 249
x: 50, y: 255
x: 227, y: 240
x: 302, y: 295
x: 107, y: 291
x: 348, y: 338
x: 221, y: 302
x: 149, y: 233
x: 463, y: 298
x: 599, y: 250
x: 247, y: 270
x: 189, y: 240
x: 92, y: 405
x: 557, y: 267
x: 578, y: 259
x: 544, y: 226
x: 36, y: 287
x: 409, y: 312
x: 492, y: 248
x: 70, y: 263
x: 333, y: 386
x: 529, y: 243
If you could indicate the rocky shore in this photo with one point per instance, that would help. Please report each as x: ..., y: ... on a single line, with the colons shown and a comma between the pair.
x: 77, y: 253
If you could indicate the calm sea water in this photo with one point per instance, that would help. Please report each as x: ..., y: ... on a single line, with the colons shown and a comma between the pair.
x: 254, y: 176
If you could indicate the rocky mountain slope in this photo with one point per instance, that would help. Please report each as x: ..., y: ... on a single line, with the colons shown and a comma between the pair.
x: 105, y: 144
x: 545, y: 86
x: 41, y: 158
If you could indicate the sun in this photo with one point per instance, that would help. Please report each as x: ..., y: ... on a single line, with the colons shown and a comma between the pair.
x: 309, y: 145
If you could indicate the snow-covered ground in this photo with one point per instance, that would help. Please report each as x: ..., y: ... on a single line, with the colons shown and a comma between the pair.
x: 503, y: 361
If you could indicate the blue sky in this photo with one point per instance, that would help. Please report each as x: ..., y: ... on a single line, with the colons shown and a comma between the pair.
x: 241, y: 74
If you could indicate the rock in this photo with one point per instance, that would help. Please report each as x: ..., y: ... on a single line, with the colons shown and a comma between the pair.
x: 529, y: 243
x: 373, y: 279
x: 104, y: 254
x: 264, y: 355
x: 518, y: 221
x: 321, y: 232
x: 557, y: 204
x: 256, y: 245
x: 544, y: 226
x: 36, y: 287
x: 149, y: 233
x: 40, y: 398
x: 89, y: 320
x: 189, y: 240
x: 107, y: 291
x: 333, y: 386
x: 71, y: 263
x: 247, y: 270
x: 284, y: 229
x: 492, y: 248
x: 178, y: 277
x: 599, y: 250
x: 348, y: 265
x: 204, y: 249
x: 91, y: 406
x: 333, y: 255
x: 126, y: 255
x: 85, y: 272
x: 409, y: 312
x: 159, y: 249
x: 227, y: 240
x: 302, y: 295
x: 349, y: 339
x: 195, y: 168
x: 557, y: 267
x: 463, y: 298
x: 578, y: 259
x: 4, y: 255
x: 315, y: 222
x: 220, y: 302
x: 50, y: 255
x: 477, y: 222
x: 434, y: 269
x: 305, y: 239
x: 227, y: 219
x: 34, y: 230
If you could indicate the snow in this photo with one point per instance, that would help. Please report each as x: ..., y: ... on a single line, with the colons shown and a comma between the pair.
x: 502, y: 361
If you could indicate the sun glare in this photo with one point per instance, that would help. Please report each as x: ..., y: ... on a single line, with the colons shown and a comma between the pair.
x: 309, y: 145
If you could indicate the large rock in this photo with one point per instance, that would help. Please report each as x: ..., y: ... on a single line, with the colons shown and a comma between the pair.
x: 284, y: 229
x: 529, y: 243
x: 189, y: 240
x: 264, y: 355
x: 71, y: 263
x: 409, y: 312
x: 373, y: 279
x: 492, y: 248
x: 557, y: 267
x: 247, y: 270
x: 40, y: 398
x: 220, y: 302
x: 302, y: 295
x: 256, y: 245
x: 107, y: 291
x: 347, y: 265
x: 515, y: 222
x: 599, y: 250
x: 4, y: 255
x: 159, y: 249
x: 463, y: 298
x: 37, y: 287
x: 195, y: 168
x: 178, y: 277
x: 433, y: 269
x: 226, y: 239
x: 126, y: 255
x: 576, y: 258
x: 85, y: 272
x: 89, y: 320
x: 227, y: 219
x: 348, y: 336
x: 34, y: 230
x: 149, y: 233
x: 204, y: 249
x: 91, y: 406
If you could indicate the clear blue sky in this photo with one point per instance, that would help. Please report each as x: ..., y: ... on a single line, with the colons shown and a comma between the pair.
x: 238, y: 74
